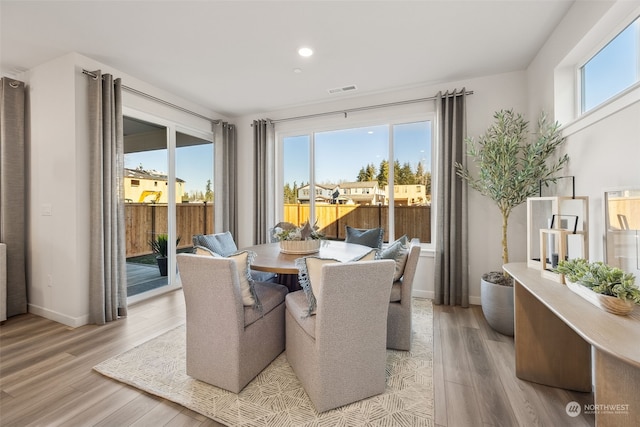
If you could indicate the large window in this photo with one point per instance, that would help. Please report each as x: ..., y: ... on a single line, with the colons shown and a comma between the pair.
x: 615, y: 68
x: 345, y: 177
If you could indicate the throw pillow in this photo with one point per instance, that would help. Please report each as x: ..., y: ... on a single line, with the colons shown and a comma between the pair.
x: 309, y: 277
x: 220, y: 243
x: 201, y: 250
x: 397, y: 251
x: 243, y: 260
x: 370, y: 237
x: 369, y: 256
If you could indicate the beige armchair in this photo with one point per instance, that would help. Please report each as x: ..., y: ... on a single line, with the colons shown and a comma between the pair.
x: 339, y: 354
x: 399, y: 320
x: 228, y: 343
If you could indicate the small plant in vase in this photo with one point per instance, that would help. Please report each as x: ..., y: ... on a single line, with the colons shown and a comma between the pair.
x: 605, y: 286
x: 160, y: 246
x: 299, y: 240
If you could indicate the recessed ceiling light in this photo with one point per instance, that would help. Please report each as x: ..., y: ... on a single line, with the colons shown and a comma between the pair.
x: 305, y: 51
x: 297, y: 70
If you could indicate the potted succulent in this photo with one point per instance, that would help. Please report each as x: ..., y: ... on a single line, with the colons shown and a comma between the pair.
x: 510, y: 169
x: 605, y: 286
x: 160, y: 246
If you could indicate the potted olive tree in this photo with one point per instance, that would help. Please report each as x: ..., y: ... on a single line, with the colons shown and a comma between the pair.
x: 511, y: 164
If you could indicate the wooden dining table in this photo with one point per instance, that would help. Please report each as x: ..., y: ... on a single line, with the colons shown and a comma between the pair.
x: 269, y: 258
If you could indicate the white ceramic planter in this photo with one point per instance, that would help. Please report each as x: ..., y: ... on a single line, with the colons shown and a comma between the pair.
x: 497, y: 306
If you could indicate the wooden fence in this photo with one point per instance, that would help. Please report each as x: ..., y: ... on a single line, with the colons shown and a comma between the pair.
x: 414, y: 221
x: 144, y: 221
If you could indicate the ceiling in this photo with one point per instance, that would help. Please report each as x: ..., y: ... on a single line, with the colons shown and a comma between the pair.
x: 238, y: 57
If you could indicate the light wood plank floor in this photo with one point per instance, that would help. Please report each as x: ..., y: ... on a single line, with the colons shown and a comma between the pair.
x: 46, y: 375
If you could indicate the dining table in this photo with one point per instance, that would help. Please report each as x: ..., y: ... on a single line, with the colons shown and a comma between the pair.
x: 269, y: 258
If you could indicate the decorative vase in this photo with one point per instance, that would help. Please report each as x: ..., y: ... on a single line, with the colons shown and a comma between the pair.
x: 162, y: 265
x: 497, y: 306
x: 605, y: 302
x: 299, y: 246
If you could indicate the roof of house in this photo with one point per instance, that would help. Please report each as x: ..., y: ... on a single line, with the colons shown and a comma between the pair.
x: 143, y: 174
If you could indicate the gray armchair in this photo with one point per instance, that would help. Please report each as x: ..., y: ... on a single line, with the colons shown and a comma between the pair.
x: 228, y: 343
x: 339, y: 354
x: 399, y: 320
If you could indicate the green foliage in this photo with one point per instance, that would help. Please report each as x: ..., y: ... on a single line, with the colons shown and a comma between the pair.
x: 160, y: 244
x: 383, y: 175
x: 601, y: 278
x: 509, y: 167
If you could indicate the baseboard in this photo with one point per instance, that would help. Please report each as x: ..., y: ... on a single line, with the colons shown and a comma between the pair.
x: 73, y: 322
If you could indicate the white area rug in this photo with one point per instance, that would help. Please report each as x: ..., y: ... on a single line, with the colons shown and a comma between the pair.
x: 276, y: 397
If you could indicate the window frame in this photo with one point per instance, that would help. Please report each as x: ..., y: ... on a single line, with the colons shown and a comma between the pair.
x: 633, y: 18
x: 566, y: 75
x: 313, y: 126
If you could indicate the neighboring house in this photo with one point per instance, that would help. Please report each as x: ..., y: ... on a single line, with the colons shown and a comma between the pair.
x: 323, y: 193
x: 363, y: 193
x: 410, y: 194
x: 142, y: 186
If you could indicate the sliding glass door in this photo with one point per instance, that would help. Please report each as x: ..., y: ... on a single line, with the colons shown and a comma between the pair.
x: 168, y: 192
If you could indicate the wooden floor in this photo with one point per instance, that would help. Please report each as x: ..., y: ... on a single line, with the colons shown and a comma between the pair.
x: 46, y: 375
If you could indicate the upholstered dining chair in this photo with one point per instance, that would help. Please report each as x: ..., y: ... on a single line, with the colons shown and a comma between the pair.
x: 229, y: 340
x: 400, y: 312
x: 339, y: 353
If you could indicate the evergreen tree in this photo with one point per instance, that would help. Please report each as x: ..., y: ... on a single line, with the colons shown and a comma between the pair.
x: 371, y: 172
x: 383, y: 175
x: 208, y: 193
x: 362, y: 175
x: 407, y: 175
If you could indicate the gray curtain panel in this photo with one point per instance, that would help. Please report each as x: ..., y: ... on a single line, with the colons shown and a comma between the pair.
x: 452, y: 254
x: 263, y: 135
x: 226, y: 134
x: 107, y: 265
x: 12, y: 191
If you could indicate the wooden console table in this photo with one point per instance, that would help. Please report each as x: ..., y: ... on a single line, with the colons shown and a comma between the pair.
x: 555, y: 331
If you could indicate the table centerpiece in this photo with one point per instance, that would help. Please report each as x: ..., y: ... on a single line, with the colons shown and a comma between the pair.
x: 299, y: 240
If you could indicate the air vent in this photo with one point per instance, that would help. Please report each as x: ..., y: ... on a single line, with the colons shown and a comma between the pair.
x: 343, y: 89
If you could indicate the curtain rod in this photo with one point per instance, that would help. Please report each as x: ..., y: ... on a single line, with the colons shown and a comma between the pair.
x: 370, y: 107
x: 161, y: 101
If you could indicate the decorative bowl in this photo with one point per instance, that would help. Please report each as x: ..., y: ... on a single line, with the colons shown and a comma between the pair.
x: 605, y: 302
x: 300, y: 246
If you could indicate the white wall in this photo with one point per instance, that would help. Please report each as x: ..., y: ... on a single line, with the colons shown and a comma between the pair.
x: 58, y: 157
x: 604, y: 151
x: 491, y: 93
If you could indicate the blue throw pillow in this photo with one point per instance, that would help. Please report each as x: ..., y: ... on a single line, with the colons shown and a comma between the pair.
x: 399, y: 252
x: 220, y: 243
x: 367, y: 237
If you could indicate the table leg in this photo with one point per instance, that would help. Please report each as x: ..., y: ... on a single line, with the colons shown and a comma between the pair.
x: 547, y: 350
x: 289, y: 280
x: 617, y: 395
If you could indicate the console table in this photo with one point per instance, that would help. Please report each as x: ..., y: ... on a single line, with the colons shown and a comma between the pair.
x: 555, y: 330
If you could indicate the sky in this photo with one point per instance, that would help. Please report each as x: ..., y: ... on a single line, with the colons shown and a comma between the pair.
x: 341, y: 154
x: 613, y: 69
